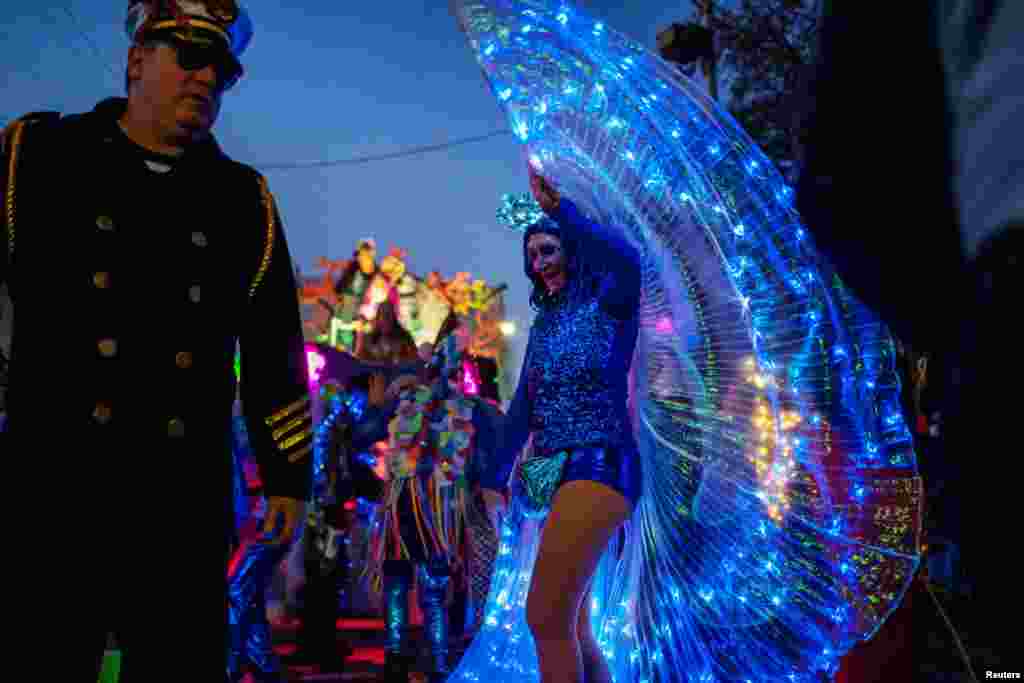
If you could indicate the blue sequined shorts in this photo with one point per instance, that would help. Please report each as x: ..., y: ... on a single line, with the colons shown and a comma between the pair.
x: 617, y: 467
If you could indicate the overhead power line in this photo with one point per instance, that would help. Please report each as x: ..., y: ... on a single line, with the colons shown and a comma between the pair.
x: 80, y: 29
x: 409, y: 152
x: 93, y: 47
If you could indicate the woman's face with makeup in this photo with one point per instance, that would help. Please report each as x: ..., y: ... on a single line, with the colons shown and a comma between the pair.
x: 547, y: 260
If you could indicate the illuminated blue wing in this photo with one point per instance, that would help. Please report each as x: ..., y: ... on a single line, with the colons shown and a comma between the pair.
x: 781, y: 513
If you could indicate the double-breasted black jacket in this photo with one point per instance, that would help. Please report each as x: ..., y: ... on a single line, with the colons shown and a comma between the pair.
x: 131, y: 290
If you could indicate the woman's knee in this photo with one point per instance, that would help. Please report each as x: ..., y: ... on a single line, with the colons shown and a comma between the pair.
x: 585, y: 627
x: 551, y: 614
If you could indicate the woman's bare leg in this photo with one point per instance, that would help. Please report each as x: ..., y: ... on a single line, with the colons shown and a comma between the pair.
x: 584, y: 516
x: 595, y: 666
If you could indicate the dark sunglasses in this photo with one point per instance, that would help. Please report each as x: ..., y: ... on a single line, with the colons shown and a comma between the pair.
x: 193, y: 56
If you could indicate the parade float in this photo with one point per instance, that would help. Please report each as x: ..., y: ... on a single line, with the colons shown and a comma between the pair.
x: 342, y: 301
x: 339, y: 305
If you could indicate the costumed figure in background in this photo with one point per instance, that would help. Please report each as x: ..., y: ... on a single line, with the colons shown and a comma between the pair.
x: 386, y: 342
x: 481, y: 529
x: 323, y: 551
x: 352, y: 289
x: 354, y: 417
x: 433, y: 306
x: 468, y: 401
x: 250, y: 645
x: 752, y: 510
x: 405, y: 287
x: 322, y: 298
x: 420, y: 530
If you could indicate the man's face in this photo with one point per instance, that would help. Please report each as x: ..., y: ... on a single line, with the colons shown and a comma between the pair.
x: 184, y: 104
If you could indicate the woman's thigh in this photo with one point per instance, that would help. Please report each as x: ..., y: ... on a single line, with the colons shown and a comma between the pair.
x: 584, y: 516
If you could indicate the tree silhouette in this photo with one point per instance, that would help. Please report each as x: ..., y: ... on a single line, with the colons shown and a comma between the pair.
x: 766, y: 48
x: 763, y: 50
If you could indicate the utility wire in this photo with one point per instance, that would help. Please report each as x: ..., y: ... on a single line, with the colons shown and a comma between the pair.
x: 80, y: 29
x: 412, y: 151
x: 291, y: 166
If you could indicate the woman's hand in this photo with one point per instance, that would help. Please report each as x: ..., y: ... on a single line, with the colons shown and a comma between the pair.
x: 546, y: 195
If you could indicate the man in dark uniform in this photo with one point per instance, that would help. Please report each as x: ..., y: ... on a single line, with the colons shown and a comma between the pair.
x: 120, y: 420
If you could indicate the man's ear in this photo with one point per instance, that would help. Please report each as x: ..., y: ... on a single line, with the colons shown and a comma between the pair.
x: 136, y: 57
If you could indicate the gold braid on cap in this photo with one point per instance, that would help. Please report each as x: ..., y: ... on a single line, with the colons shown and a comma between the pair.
x: 191, y: 22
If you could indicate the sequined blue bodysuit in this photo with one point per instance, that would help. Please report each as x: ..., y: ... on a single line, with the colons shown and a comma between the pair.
x: 573, y: 389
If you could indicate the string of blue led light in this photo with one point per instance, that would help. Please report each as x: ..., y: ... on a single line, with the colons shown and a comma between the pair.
x: 781, y: 516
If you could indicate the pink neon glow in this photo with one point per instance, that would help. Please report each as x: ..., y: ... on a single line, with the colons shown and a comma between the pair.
x: 316, y: 363
x: 664, y: 325
x: 470, y: 381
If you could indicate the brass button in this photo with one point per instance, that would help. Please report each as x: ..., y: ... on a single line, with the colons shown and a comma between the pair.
x: 105, y: 223
x: 107, y: 347
x: 176, y: 428
x: 194, y: 294
x: 183, y: 360
x: 199, y: 239
x: 102, y: 413
x: 101, y: 280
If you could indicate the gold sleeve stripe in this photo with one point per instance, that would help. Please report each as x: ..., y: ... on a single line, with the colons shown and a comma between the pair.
x: 268, y: 248
x: 12, y: 170
x: 300, y: 454
x: 290, y: 425
x: 290, y: 409
x: 297, y: 439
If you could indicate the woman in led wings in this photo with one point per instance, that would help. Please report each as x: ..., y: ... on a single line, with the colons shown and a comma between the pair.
x: 572, y: 397
x: 753, y: 510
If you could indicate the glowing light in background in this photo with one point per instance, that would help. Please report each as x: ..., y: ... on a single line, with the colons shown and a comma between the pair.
x: 507, y: 327
x: 315, y: 362
x: 381, y: 452
x: 470, y: 378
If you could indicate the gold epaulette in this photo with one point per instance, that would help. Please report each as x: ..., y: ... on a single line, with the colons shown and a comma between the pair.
x: 12, y: 136
x: 268, y: 247
x: 10, y: 147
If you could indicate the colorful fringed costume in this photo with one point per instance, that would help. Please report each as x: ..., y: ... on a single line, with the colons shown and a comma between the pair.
x: 777, y: 518
x: 419, y: 536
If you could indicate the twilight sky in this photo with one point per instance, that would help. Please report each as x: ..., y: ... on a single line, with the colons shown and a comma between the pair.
x: 334, y: 80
